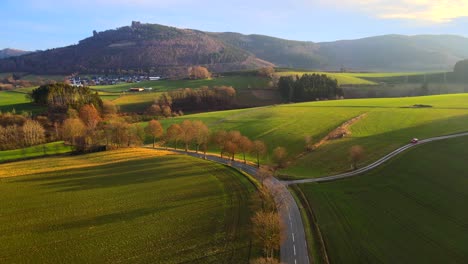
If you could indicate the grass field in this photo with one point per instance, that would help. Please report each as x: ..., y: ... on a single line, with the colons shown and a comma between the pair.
x: 35, y: 151
x: 238, y: 82
x: 129, y: 205
x: 411, y: 210
x: 387, y: 124
x: 18, y: 101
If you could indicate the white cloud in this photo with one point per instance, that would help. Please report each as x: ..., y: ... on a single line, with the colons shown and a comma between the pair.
x: 432, y: 11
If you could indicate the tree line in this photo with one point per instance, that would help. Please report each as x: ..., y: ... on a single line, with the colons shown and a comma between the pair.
x: 203, y: 99
x: 309, y: 87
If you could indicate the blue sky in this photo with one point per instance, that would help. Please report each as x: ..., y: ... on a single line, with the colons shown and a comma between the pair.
x: 43, y: 24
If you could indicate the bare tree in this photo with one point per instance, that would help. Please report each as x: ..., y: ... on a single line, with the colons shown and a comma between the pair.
x: 72, y: 129
x: 33, y: 133
x: 245, y: 146
x: 220, y: 138
x: 199, y: 72
x: 232, y: 145
x: 187, y: 133
x: 356, y: 154
x: 90, y: 116
x: 154, y: 129
x: 269, y: 230
x: 174, y: 133
x: 259, y: 149
x: 265, y: 261
x: 201, y: 133
x: 263, y: 173
x: 280, y: 157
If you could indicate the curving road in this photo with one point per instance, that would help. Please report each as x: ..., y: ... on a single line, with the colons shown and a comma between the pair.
x: 294, y: 248
x: 375, y: 164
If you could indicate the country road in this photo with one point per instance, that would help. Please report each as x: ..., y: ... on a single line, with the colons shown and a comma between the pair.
x: 294, y: 249
x: 376, y: 163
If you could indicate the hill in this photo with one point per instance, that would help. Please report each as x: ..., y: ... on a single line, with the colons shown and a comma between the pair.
x: 169, y: 51
x: 381, y: 53
x: 157, y: 49
x: 7, y: 53
x: 383, y: 126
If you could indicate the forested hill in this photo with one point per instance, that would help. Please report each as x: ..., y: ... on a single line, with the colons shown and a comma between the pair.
x: 381, y: 53
x: 139, y: 47
x: 6, y: 53
x: 169, y: 51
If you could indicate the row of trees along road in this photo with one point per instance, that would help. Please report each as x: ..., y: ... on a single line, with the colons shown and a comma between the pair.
x: 196, y: 134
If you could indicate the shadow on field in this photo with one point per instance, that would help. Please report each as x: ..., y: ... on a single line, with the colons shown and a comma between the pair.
x: 114, y: 175
x: 104, y: 219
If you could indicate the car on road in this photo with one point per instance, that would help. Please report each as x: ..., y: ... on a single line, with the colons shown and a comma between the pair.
x: 414, y: 140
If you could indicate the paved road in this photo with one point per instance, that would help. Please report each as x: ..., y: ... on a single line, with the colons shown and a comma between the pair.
x: 294, y: 248
x: 375, y: 164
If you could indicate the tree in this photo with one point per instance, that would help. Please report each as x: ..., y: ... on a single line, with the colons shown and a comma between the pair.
x: 356, y: 154
x: 187, y: 133
x: 232, y: 145
x: 280, y: 157
x: 265, y: 261
x: 33, y: 133
x: 90, y: 116
x: 202, y: 133
x: 263, y: 173
x: 266, y: 72
x: 72, y: 129
x: 109, y: 108
x: 174, y: 133
x: 199, y: 72
x: 154, y: 129
x: 220, y: 138
x: 269, y: 230
x: 259, y: 149
x: 245, y: 146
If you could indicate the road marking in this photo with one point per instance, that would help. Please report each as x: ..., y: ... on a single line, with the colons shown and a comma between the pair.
x: 294, y: 247
x: 289, y: 216
x: 295, y: 262
x: 290, y: 224
x: 293, y: 236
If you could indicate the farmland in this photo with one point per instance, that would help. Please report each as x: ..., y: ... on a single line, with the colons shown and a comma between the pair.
x: 238, y: 82
x: 410, y: 210
x: 132, y: 205
x: 35, y: 151
x: 386, y: 125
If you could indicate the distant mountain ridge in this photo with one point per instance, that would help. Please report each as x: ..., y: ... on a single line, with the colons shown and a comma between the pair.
x: 381, y: 53
x: 7, y: 53
x: 170, y: 51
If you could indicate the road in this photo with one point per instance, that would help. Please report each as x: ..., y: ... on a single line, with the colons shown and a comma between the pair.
x: 375, y: 164
x: 294, y: 248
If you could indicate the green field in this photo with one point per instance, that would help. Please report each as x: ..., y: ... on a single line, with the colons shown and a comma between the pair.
x: 139, y: 206
x: 410, y: 210
x: 387, y: 124
x: 18, y: 101
x: 35, y: 151
x: 238, y: 82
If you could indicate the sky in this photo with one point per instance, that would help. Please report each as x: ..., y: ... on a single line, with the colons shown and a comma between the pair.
x: 45, y: 24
